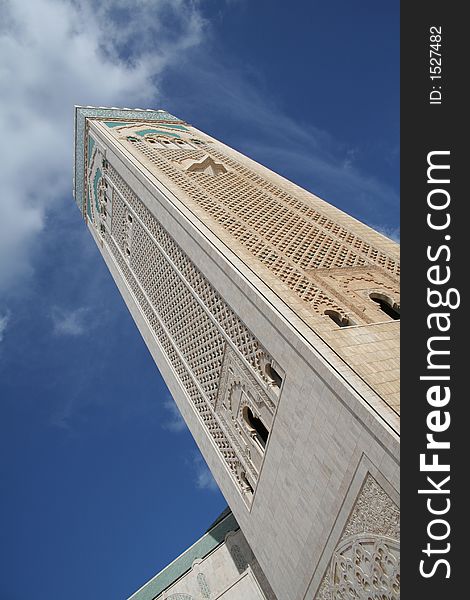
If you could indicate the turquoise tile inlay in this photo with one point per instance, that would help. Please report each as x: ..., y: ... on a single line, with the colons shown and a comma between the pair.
x: 208, y: 542
x: 93, y: 112
x: 95, y: 188
x: 180, y: 127
x: 91, y: 144
x: 116, y: 123
x: 88, y: 204
x: 124, y: 123
x: 157, y: 131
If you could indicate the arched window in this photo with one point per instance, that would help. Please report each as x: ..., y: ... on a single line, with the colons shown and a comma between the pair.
x: 256, y: 424
x: 132, y: 139
x: 387, y: 305
x: 273, y: 375
x: 338, y: 319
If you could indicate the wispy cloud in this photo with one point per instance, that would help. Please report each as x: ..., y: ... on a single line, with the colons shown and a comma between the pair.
x: 62, y: 416
x: 391, y: 232
x: 304, y: 152
x: 4, y: 319
x: 204, y: 479
x: 69, y: 322
x: 175, y: 421
x: 57, y: 53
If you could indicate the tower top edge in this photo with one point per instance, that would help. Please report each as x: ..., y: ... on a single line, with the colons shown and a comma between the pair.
x: 97, y: 112
x: 82, y: 113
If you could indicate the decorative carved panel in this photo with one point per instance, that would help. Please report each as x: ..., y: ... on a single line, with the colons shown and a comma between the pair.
x: 284, y: 232
x: 365, y: 564
x: 193, y: 325
x: 239, y: 389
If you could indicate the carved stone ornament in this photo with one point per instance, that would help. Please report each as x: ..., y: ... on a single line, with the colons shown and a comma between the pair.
x: 365, y: 565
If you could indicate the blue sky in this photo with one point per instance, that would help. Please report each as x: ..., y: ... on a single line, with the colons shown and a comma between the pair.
x: 101, y: 484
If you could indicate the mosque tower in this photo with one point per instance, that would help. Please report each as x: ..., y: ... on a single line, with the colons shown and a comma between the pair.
x: 273, y: 318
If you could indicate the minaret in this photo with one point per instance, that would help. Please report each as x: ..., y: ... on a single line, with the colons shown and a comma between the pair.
x: 274, y: 319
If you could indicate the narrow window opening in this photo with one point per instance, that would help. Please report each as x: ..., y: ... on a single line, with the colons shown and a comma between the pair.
x: 386, y: 305
x: 128, y: 252
x: 245, y: 482
x: 132, y: 139
x: 338, y: 319
x: 257, y: 425
x: 129, y: 218
x: 273, y: 375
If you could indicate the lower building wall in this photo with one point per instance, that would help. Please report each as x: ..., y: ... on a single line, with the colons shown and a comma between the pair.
x: 219, y: 567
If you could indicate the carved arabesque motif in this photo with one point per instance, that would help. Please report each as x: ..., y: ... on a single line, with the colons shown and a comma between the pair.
x: 203, y: 585
x: 366, y: 567
x: 365, y: 564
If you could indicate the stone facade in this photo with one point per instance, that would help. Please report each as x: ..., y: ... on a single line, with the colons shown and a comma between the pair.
x: 274, y: 319
x: 220, y: 565
x: 367, y: 558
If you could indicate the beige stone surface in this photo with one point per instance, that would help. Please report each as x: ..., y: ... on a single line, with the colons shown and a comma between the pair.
x: 228, y: 269
x: 312, y: 255
x: 230, y: 572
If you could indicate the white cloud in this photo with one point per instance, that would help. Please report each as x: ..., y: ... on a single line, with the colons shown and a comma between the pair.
x: 57, y: 53
x: 3, y: 324
x: 175, y: 422
x: 204, y: 479
x: 69, y: 322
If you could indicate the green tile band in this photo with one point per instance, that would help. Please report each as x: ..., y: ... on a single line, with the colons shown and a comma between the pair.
x: 82, y: 113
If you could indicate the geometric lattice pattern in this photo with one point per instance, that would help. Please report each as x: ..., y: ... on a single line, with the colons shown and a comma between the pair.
x: 189, y: 318
x: 283, y: 232
x: 329, y: 266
